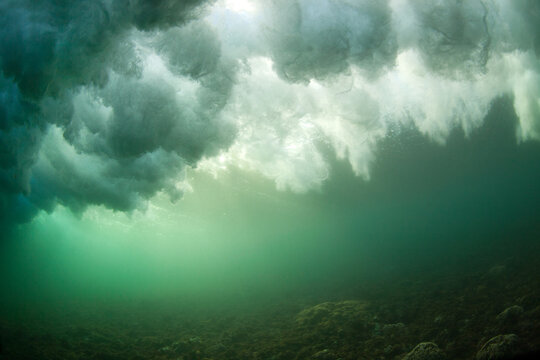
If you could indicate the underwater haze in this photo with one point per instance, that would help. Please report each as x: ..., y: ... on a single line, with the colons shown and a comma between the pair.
x: 288, y: 179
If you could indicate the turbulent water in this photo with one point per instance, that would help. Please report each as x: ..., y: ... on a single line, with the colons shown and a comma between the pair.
x: 270, y: 180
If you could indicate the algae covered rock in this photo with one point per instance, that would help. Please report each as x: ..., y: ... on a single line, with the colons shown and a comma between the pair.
x: 425, y: 351
x: 510, y: 314
x: 500, y: 347
x: 335, y: 316
x: 324, y: 355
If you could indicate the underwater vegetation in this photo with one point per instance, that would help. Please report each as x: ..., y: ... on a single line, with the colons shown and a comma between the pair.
x: 482, y: 313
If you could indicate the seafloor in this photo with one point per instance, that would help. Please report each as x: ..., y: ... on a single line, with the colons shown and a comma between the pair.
x: 457, y: 310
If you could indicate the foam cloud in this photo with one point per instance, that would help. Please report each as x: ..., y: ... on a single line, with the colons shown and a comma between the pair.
x: 107, y: 102
x: 90, y: 111
x: 456, y: 39
x: 316, y: 40
x: 355, y: 72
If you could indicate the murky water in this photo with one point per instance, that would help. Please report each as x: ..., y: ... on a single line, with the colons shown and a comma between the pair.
x: 434, y: 247
x: 270, y: 180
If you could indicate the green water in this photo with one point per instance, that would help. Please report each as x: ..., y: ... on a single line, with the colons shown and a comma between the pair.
x: 235, y: 244
x: 269, y: 180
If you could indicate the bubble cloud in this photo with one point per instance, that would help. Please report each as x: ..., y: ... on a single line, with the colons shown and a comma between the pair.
x: 108, y: 102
